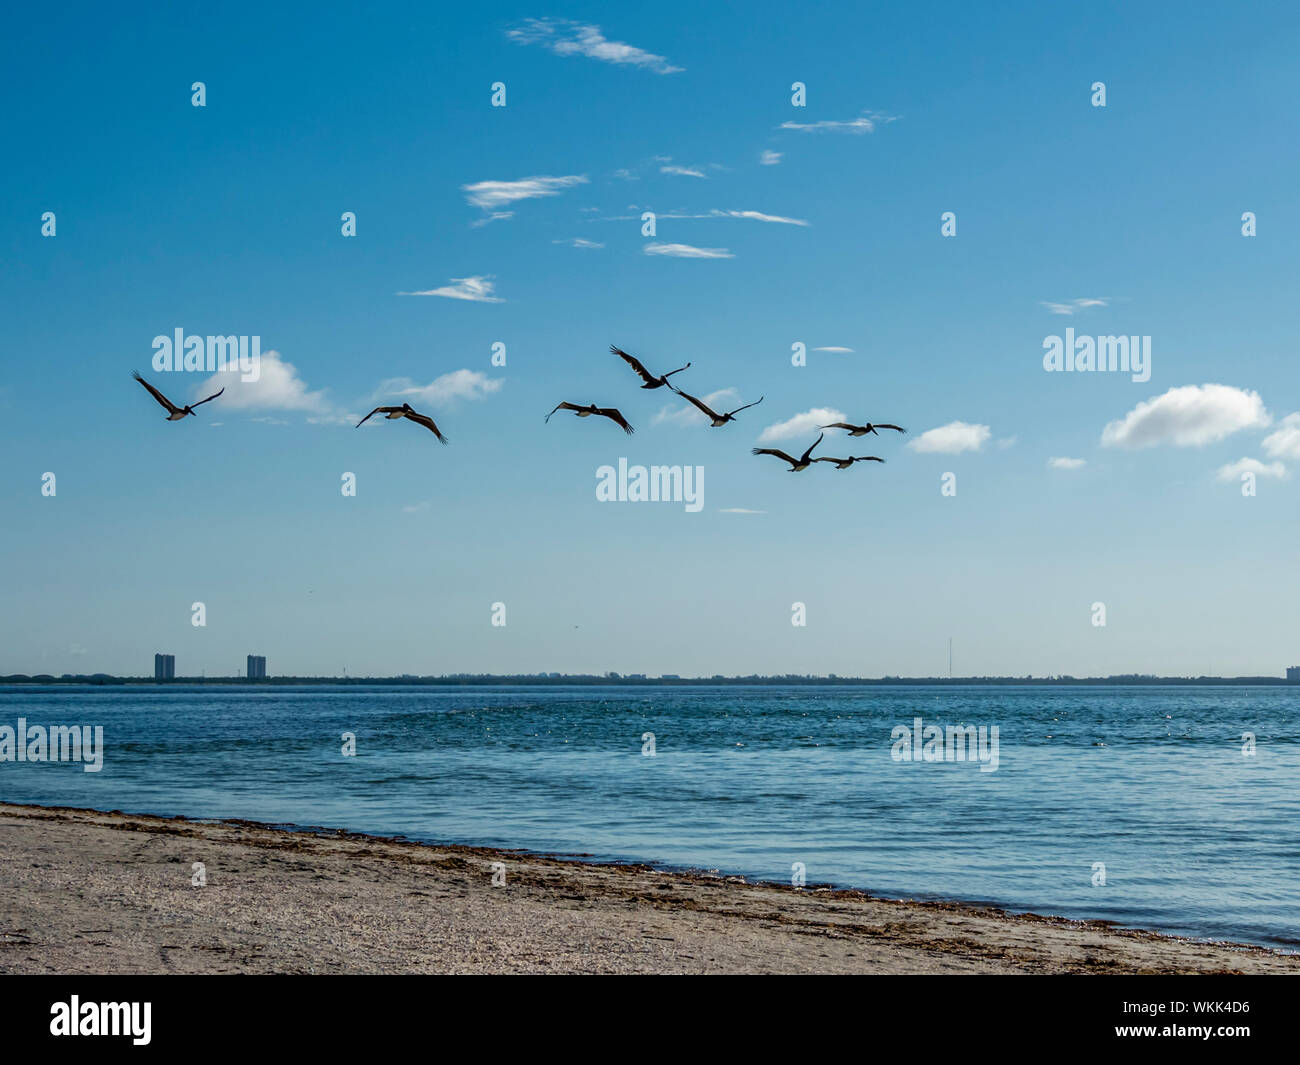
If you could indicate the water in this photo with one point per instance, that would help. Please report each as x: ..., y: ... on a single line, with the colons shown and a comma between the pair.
x: 1197, y: 839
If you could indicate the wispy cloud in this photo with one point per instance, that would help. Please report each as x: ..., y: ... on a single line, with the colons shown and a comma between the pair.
x: 1188, y: 416
x: 1067, y: 464
x: 1284, y: 443
x: 770, y: 158
x: 1233, y: 470
x: 681, y: 215
x: 278, y: 387
x: 458, y: 384
x: 579, y: 242
x: 809, y: 422
x: 567, y: 37
x: 1075, y: 306
x: 491, y: 195
x: 759, y: 216
x: 475, y: 289
x: 838, y: 351
x: 739, y: 510
x: 864, y: 123
x: 687, y: 251
x: 683, y: 171
x: 951, y: 439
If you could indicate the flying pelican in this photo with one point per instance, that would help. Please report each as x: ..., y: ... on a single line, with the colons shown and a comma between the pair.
x: 651, y: 381
x: 863, y: 430
x: 405, y: 411
x: 844, y: 464
x: 586, y: 412
x: 714, y: 417
x: 174, y: 413
x: 801, y: 463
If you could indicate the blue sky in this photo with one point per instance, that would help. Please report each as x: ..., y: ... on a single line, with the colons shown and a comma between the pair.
x: 225, y: 219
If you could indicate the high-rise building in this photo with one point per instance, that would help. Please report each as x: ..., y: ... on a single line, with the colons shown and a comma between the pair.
x: 257, y: 667
x: 164, y: 667
x: 1293, y: 674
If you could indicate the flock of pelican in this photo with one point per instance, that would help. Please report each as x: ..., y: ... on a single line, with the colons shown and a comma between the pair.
x: 649, y: 380
x: 717, y: 420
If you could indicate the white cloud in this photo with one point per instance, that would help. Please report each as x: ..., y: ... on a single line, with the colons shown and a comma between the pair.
x: 566, y: 37
x: 687, y: 251
x: 1284, y: 443
x: 1233, y: 470
x: 688, y: 414
x: 759, y: 216
x: 951, y: 439
x: 1074, y: 306
x: 809, y: 422
x: 458, y: 384
x: 770, y: 158
x: 476, y: 289
x: 1067, y: 464
x: 579, y: 242
x: 682, y: 171
x: 278, y: 387
x: 739, y: 510
x: 490, y: 195
x: 1188, y: 416
x: 864, y: 123
x: 840, y: 351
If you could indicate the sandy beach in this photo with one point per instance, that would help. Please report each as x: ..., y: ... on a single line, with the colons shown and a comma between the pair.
x: 90, y: 892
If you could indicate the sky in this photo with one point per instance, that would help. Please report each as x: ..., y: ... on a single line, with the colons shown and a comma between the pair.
x: 1019, y: 500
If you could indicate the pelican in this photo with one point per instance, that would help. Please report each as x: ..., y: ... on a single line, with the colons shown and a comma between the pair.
x: 863, y: 430
x: 405, y: 411
x: 174, y: 413
x: 714, y: 417
x: 651, y: 381
x: 586, y: 412
x: 844, y: 464
x: 801, y: 463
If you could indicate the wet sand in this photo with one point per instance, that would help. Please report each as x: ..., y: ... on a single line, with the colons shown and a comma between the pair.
x: 89, y: 892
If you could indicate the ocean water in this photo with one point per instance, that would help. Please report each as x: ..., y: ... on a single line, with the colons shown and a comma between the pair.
x: 1196, y: 838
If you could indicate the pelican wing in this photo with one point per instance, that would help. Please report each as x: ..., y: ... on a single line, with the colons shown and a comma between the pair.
x: 636, y: 365
x: 773, y: 451
x: 613, y: 415
x: 865, y: 458
x: 747, y: 406
x: 208, y: 400
x: 839, y: 425
x: 167, y: 403
x: 427, y: 422
x: 823, y: 458
x: 562, y: 406
x: 377, y: 410
x: 882, y: 425
x: 703, y: 408
x: 810, y: 449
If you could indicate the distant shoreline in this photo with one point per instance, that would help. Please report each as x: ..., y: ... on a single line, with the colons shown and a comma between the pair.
x: 637, y: 680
